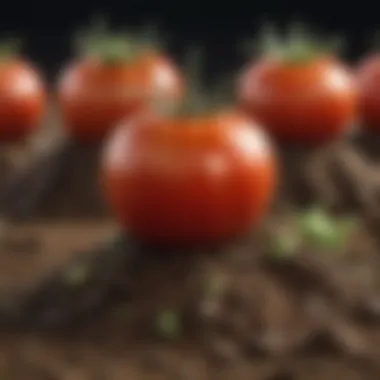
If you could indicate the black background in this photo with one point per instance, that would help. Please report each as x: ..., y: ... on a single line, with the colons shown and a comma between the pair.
x: 220, y: 25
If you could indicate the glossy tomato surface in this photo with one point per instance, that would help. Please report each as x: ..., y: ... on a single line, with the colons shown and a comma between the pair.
x: 308, y: 102
x: 22, y: 100
x: 93, y: 96
x: 368, y: 82
x: 189, y: 180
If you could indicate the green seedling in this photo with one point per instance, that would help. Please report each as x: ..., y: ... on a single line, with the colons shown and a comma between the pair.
x: 77, y: 275
x: 284, y: 245
x: 168, y: 324
x: 323, y: 231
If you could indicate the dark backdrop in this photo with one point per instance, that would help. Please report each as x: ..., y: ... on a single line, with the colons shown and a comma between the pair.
x: 219, y: 25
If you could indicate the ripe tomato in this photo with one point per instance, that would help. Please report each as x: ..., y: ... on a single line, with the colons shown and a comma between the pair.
x: 310, y: 101
x: 22, y: 99
x: 368, y: 83
x: 94, y: 95
x: 189, y: 180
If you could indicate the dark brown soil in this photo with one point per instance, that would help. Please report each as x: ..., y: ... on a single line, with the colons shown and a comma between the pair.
x: 80, y: 301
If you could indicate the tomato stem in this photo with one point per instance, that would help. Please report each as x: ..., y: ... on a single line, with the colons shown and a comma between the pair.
x: 199, y: 99
x: 150, y: 35
x: 195, y: 101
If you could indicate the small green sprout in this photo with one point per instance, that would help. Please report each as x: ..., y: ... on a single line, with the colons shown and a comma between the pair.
x: 324, y: 231
x: 284, y: 245
x: 168, y: 324
x: 77, y: 275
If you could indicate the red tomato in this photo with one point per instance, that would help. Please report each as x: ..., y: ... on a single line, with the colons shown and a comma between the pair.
x: 94, y: 95
x: 22, y: 100
x: 189, y: 180
x: 368, y: 82
x: 311, y: 101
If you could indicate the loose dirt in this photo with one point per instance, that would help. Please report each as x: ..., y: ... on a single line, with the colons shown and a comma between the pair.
x: 81, y: 301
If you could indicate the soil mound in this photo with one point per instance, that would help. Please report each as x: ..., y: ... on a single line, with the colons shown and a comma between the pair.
x: 103, y: 308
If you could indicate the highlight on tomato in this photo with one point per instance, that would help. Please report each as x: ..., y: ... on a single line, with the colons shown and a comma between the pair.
x: 190, y: 177
x: 368, y: 84
x: 115, y: 76
x: 22, y: 94
x: 299, y: 89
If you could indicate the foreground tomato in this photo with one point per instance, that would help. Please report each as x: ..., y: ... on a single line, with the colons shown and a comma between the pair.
x: 189, y: 180
x: 99, y: 90
x: 368, y: 82
x: 310, y: 98
x: 22, y: 99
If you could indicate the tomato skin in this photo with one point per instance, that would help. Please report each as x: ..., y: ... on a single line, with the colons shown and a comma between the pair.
x: 22, y: 100
x: 368, y: 83
x: 189, y: 181
x: 307, y: 102
x: 94, y: 96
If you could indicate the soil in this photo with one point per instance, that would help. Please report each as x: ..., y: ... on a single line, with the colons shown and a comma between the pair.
x: 79, y: 300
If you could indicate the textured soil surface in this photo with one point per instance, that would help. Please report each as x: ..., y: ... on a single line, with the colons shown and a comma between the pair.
x: 80, y: 301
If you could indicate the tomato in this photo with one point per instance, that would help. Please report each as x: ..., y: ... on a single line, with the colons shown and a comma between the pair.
x: 368, y: 83
x: 189, y: 179
x: 95, y: 94
x: 306, y: 102
x: 22, y: 99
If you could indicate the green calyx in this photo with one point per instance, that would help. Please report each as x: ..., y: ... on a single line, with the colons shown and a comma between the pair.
x: 10, y: 48
x: 111, y: 48
x: 297, y: 46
